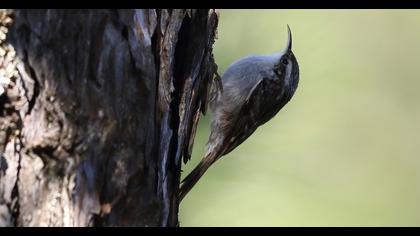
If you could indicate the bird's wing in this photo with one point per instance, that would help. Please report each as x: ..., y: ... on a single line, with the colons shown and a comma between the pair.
x: 246, y: 121
x: 264, y: 100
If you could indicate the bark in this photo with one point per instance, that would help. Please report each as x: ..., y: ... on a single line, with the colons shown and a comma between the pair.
x: 99, y: 107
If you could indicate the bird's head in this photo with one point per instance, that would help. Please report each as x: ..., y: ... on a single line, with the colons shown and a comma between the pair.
x: 286, y: 66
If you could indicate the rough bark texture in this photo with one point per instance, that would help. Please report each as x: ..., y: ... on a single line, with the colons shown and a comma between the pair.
x: 99, y: 107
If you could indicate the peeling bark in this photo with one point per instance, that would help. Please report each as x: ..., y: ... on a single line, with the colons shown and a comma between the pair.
x: 99, y: 109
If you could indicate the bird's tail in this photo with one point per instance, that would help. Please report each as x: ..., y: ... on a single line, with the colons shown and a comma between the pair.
x: 193, y: 177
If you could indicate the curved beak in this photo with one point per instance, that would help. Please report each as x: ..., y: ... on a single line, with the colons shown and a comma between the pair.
x: 289, y: 39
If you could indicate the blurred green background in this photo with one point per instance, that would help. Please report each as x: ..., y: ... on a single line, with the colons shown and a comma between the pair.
x: 345, y: 151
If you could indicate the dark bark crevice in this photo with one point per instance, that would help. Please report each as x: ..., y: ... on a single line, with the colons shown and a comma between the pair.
x: 35, y: 92
x: 15, y: 205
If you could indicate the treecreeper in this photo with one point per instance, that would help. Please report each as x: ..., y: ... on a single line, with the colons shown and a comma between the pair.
x: 253, y: 90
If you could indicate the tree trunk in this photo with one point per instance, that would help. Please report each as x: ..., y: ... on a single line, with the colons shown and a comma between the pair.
x: 98, y: 109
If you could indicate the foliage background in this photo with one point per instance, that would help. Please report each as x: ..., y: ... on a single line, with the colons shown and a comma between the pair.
x: 345, y: 150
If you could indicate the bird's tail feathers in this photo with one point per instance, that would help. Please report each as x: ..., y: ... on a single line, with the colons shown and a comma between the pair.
x: 193, y: 177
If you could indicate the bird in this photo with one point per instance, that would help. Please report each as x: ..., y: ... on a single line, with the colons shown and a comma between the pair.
x: 253, y: 90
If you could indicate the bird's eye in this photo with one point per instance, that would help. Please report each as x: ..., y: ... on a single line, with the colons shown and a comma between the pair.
x: 285, y: 61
